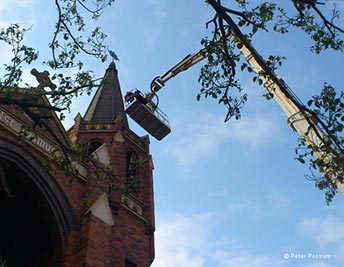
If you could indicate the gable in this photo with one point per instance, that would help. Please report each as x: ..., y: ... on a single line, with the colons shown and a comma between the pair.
x: 13, y: 120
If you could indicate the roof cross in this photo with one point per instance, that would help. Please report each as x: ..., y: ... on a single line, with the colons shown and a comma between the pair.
x: 43, y: 79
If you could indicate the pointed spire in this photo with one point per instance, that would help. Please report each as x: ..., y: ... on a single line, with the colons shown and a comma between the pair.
x: 107, y: 103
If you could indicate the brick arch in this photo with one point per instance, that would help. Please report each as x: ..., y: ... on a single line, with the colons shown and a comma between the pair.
x: 49, y: 191
x: 94, y: 144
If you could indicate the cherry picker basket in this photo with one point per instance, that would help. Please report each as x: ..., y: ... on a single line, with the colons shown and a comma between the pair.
x: 148, y: 116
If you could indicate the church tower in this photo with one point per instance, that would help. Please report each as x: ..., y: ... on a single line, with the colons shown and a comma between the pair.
x: 119, y: 223
x: 50, y: 218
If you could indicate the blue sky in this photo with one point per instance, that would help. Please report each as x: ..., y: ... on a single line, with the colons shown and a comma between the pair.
x: 226, y: 195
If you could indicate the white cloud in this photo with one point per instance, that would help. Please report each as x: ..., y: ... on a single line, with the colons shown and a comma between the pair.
x: 3, y: 5
x: 10, y: 7
x: 205, y: 136
x: 10, y: 4
x: 326, y: 231
x: 230, y: 259
x: 253, y: 131
x: 6, y: 4
x: 190, y: 240
x: 183, y: 240
x: 23, y: 3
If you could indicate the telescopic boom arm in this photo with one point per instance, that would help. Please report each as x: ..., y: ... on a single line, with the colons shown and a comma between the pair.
x: 298, y: 117
x: 184, y: 64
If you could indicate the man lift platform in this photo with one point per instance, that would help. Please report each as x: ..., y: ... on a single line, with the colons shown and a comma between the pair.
x: 147, y: 114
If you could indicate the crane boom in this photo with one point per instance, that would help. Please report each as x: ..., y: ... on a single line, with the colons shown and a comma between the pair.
x: 298, y: 117
x: 141, y: 108
x: 187, y: 62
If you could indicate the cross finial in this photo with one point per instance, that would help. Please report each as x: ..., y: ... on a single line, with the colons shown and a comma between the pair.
x: 43, y: 79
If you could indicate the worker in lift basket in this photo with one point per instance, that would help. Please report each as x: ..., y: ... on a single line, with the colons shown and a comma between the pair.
x: 129, y: 97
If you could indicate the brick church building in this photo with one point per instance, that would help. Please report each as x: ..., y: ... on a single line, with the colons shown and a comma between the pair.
x: 47, y: 219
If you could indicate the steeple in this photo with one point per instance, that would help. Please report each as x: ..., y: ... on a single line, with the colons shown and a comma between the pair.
x: 107, y: 103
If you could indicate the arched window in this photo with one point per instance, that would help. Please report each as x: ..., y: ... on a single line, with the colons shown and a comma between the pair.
x: 93, y: 145
x: 132, y: 181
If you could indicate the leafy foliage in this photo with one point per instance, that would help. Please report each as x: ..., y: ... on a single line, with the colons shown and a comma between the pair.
x: 66, y: 45
x: 13, y: 36
x: 328, y: 106
x: 218, y: 77
x: 224, y: 57
x: 71, y: 39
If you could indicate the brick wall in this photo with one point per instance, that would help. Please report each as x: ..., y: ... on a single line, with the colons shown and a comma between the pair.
x: 88, y: 240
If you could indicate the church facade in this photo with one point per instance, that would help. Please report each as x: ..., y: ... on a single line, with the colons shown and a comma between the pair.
x: 49, y: 218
